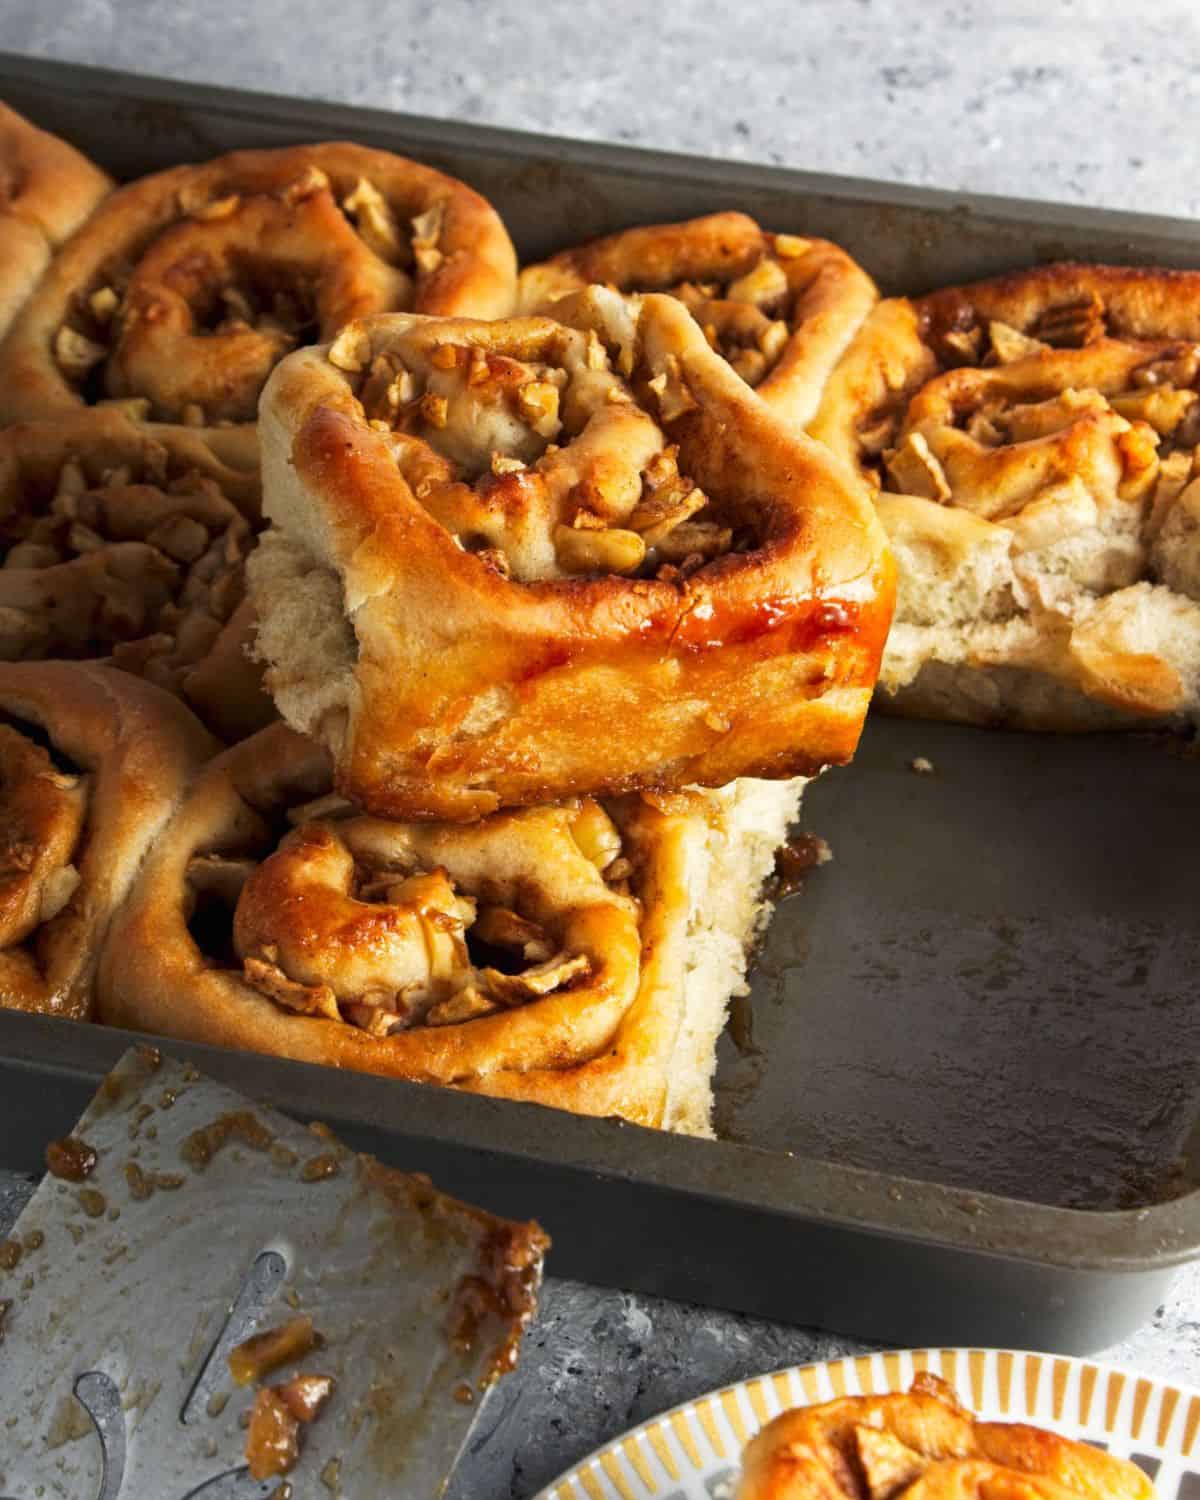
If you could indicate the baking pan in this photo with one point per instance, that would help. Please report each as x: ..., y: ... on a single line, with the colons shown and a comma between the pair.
x: 962, y: 1102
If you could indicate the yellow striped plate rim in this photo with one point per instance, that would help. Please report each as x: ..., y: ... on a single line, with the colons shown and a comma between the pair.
x: 690, y: 1453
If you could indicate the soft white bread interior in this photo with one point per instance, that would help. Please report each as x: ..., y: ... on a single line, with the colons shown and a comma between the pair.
x: 742, y: 827
x: 1078, y: 625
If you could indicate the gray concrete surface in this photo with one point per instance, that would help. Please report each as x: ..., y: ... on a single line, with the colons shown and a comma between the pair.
x: 1083, y: 101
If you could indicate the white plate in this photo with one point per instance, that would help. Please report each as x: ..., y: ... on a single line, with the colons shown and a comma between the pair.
x: 691, y: 1453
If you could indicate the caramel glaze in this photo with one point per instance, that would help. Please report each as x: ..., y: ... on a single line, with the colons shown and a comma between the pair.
x: 501, y: 1290
x: 71, y: 1159
x: 835, y: 627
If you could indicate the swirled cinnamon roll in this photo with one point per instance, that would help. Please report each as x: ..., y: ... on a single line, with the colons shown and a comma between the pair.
x: 574, y: 954
x: 502, y: 571
x: 1033, y: 442
x: 186, y: 288
x: 47, y: 189
x: 92, y: 763
x: 780, y: 308
x: 925, y: 1446
x: 125, y: 542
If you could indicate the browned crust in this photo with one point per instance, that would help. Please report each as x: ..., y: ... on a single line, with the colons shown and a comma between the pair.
x: 1140, y: 302
x: 476, y: 274
x: 605, y: 674
x: 812, y: 1453
x: 832, y: 293
x: 140, y: 749
x: 904, y: 374
x: 47, y: 189
x: 154, y: 978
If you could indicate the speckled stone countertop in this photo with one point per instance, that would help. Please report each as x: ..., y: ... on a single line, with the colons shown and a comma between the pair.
x: 1074, y: 102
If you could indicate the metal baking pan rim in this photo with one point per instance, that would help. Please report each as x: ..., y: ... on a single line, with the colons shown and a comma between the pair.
x: 1153, y: 1238
x: 744, y: 1177
x: 640, y: 161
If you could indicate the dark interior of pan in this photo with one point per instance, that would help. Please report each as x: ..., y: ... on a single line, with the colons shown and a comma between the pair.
x: 992, y: 985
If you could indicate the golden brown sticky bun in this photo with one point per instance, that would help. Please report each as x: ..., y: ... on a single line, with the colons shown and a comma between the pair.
x: 501, y: 572
x: 47, y: 189
x: 92, y: 763
x: 925, y: 1446
x: 186, y: 288
x: 780, y: 308
x: 540, y: 954
x: 127, y: 542
x: 1033, y: 441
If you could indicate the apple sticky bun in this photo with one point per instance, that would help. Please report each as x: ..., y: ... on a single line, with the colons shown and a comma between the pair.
x: 781, y: 308
x: 186, y: 288
x: 515, y: 561
x: 92, y: 763
x: 47, y: 189
x: 925, y: 1445
x: 1032, y: 442
x: 573, y: 954
x: 127, y: 543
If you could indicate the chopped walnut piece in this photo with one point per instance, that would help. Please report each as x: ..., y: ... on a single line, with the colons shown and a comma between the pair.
x: 964, y: 343
x: 494, y: 558
x: 504, y: 928
x: 791, y: 246
x: 192, y: 415
x: 263, y: 1352
x: 103, y: 303
x: 698, y: 541
x: 402, y: 390
x: 1180, y: 369
x: 596, y: 356
x: 537, y: 402
x: 376, y: 1020
x: 218, y: 208
x: 531, y: 984
x: 659, y: 512
x: 1009, y: 344
x: 305, y: 1395
x: 351, y: 350
x: 916, y: 471
x: 426, y: 231
x: 374, y: 221
x: 75, y: 354
x: 669, y: 386
x: 1163, y: 406
x: 772, y: 339
x: 467, y: 1004
x: 501, y: 464
x: 446, y: 356
x: 310, y: 180
x: 596, y: 833
x: 611, y: 551
x: 1072, y: 325
x: 434, y: 409
x: 272, y: 1438
x: 762, y: 286
x: 889, y: 1466
x: 305, y: 999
